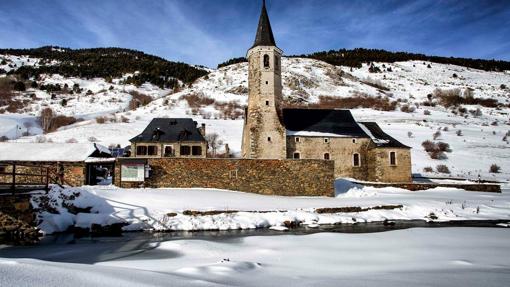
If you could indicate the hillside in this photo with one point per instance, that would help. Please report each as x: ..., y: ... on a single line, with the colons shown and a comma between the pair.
x: 412, y: 100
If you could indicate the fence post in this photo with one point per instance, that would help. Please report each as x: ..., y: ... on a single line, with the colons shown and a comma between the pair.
x: 47, y: 179
x: 13, y: 178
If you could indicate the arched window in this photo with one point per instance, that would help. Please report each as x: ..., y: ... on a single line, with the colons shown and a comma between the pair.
x: 266, y: 61
x: 326, y: 156
x: 356, y: 161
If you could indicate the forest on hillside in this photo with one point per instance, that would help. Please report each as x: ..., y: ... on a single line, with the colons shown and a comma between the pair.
x: 106, y: 63
x: 356, y: 57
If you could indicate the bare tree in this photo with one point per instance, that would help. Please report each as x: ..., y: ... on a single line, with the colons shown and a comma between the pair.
x: 45, y: 118
x: 214, y: 142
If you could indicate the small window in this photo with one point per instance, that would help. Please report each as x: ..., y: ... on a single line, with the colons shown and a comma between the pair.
x: 297, y: 155
x: 354, y: 141
x: 297, y: 140
x: 2, y: 168
x: 185, y: 150
x: 267, y: 82
x: 267, y: 103
x: 268, y: 139
x: 356, y: 159
x: 169, y: 151
x: 152, y: 150
x: 393, y: 158
x: 141, y: 150
x: 233, y: 173
x: 196, y: 150
x: 326, y: 140
x: 266, y: 61
x: 326, y: 156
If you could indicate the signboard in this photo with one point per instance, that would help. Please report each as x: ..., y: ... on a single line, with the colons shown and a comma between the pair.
x: 133, y: 172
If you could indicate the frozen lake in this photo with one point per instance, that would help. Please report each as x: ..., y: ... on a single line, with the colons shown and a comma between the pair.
x: 450, y: 256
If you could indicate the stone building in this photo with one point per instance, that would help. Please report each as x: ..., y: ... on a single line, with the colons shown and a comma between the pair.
x: 37, y: 164
x: 170, y: 138
x: 360, y: 150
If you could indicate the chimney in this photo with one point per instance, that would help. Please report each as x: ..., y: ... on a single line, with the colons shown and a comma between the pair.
x: 227, y: 151
x: 202, y: 129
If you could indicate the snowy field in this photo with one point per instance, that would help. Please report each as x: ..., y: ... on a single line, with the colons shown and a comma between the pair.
x: 412, y: 257
x: 166, y: 209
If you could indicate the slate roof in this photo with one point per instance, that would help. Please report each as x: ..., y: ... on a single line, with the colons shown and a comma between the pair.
x: 264, y: 32
x: 379, y: 137
x: 50, y: 152
x: 330, y: 121
x: 170, y: 130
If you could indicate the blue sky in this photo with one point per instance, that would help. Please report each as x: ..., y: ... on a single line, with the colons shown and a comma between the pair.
x: 208, y: 32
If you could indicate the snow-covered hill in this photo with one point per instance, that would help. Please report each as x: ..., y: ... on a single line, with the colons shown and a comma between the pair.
x: 475, y: 136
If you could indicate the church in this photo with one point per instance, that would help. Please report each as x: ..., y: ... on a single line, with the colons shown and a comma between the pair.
x: 360, y: 150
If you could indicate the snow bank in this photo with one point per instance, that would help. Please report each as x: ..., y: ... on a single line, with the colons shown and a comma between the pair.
x: 168, y: 209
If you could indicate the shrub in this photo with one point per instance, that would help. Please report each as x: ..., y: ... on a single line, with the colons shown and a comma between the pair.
x: 445, y: 147
x: 426, y: 112
x: 409, y: 134
x: 4, y: 139
x: 230, y: 110
x: 138, y: 100
x: 494, y: 168
x: 407, y: 109
x: 19, y: 86
x: 197, y: 100
x: 92, y: 139
x: 72, y: 140
x: 61, y: 121
x: 454, y: 97
x: 459, y: 133
x: 428, y: 169
x: 101, y: 119
x: 503, y: 86
x: 436, y: 135
x: 442, y: 169
x: 357, y: 100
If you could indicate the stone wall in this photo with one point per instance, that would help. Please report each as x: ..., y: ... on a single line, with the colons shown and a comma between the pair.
x: 74, y: 172
x: 272, y: 177
x: 380, y: 169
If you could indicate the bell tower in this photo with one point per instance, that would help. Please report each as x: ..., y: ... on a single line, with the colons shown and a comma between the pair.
x: 263, y: 133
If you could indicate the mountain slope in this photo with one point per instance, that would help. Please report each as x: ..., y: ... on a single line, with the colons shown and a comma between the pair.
x: 415, y: 89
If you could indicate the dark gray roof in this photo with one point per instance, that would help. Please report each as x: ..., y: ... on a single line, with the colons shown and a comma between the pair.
x: 170, y: 130
x: 338, y: 122
x: 264, y: 32
x: 380, y: 138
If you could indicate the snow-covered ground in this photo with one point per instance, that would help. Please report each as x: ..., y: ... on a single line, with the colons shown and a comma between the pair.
x: 306, y: 79
x: 165, y: 209
x: 412, y: 257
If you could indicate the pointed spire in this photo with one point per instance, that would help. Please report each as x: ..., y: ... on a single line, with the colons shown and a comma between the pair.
x: 264, y: 32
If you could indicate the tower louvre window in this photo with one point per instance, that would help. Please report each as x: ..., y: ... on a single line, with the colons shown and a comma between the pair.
x: 266, y: 61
